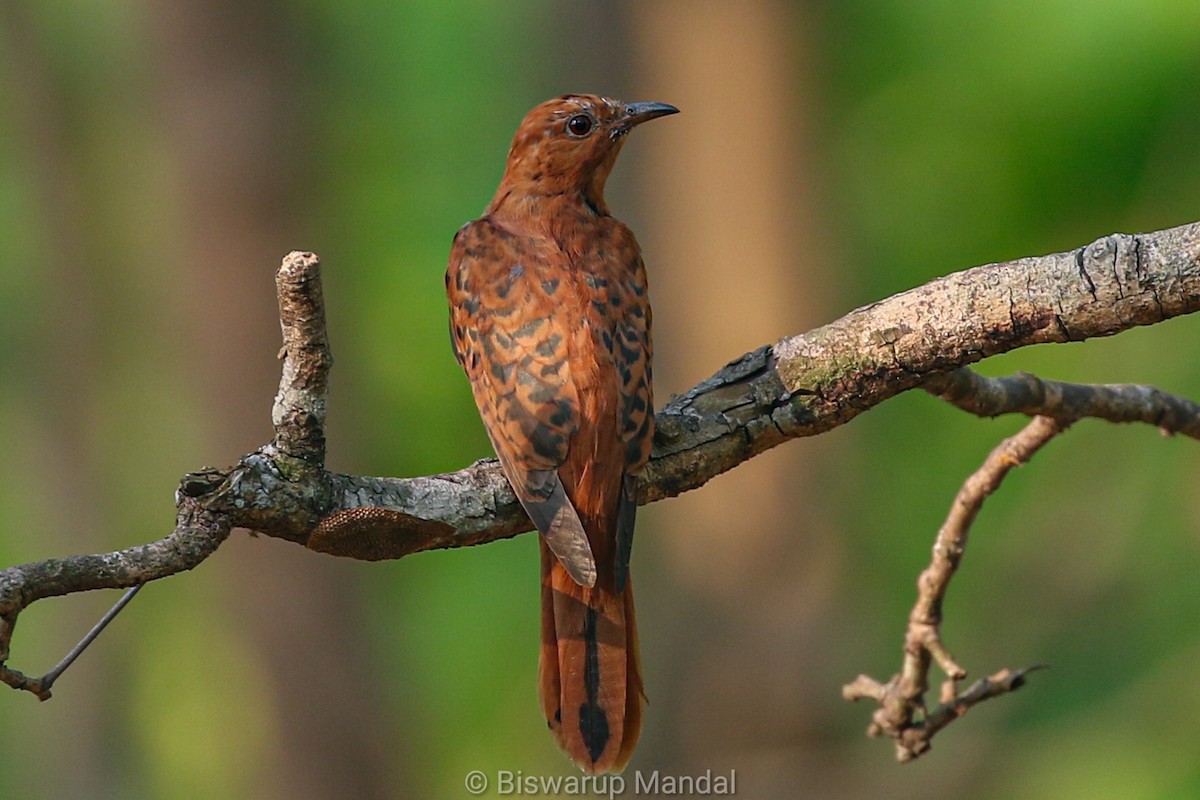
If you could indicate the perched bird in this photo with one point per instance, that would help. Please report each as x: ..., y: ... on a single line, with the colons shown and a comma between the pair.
x: 550, y: 319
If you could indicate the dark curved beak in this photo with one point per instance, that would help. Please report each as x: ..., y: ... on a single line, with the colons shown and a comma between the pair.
x: 637, y: 113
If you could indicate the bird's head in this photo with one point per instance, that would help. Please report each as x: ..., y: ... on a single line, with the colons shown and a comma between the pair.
x: 569, y: 144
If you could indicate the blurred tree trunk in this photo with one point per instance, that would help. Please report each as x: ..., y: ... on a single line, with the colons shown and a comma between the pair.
x: 732, y: 181
x: 57, y: 370
x: 232, y: 93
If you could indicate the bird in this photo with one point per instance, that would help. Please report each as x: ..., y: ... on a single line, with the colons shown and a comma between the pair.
x: 550, y: 319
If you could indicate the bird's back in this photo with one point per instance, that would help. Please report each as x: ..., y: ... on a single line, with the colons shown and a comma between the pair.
x: 551, y: 321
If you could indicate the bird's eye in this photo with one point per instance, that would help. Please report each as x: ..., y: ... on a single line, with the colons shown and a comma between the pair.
x: 580, y: 125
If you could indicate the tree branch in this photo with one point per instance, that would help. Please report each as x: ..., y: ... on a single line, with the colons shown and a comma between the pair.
x: 1067, y: 402
x: 802, y: 386
x: 1054, y: 406
x: 902, y: 713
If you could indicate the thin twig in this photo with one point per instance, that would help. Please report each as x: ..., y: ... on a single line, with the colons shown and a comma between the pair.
x: 197, y: 534
x: 1054, y: 406
x: 902, y: 712
x: 40, y: 687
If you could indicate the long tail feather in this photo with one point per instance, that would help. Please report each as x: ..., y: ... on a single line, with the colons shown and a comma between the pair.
x: 589, y: 672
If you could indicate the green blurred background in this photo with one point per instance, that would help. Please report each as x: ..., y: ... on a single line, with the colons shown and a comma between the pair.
x: 157, y: 160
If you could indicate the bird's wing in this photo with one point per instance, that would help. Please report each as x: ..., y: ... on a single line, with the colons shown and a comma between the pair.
x: 632, y: 350
x: 507, y: 336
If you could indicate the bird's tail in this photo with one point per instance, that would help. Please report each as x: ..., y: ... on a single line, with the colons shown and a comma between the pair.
x: 589, y: 672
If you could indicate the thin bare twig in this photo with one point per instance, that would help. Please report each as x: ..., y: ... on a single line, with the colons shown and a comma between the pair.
x: 197, y: 535
x: 40, y: 687
x: 902, y: 714
x: 1054, y: 406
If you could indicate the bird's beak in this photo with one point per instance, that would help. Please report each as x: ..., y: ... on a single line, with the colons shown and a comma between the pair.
x: 637, y: 113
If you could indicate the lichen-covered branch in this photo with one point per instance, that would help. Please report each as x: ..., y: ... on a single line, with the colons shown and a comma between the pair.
x: 801, y: 386
x: 299, y: 410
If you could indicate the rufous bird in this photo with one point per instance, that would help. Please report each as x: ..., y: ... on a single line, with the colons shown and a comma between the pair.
x: 550, y: 319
